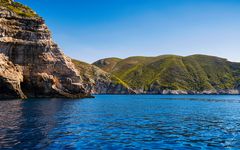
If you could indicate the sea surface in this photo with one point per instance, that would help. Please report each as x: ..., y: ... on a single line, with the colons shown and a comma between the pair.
x: 122, y: 122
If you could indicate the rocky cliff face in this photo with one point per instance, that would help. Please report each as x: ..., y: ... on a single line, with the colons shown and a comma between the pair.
x: 40, y: 67
x: 10, y: 79
x: 98, y: 81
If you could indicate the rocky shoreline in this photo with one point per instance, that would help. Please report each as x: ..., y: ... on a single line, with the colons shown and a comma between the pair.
x: 206, y: 92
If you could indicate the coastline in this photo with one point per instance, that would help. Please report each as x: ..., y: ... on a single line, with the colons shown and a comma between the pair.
x: 180, y: 92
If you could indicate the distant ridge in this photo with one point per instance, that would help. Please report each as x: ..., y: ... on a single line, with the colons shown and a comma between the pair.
x: 177, y: 74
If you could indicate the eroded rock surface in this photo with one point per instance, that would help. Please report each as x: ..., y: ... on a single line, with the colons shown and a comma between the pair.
x: 10, y: 79
x: 45, y: 70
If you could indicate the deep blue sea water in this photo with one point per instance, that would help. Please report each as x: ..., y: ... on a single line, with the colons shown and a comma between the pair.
x: 122, y: 122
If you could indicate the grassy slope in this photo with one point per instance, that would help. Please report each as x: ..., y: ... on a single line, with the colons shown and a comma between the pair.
x: 90, y: 72
x: 196, y: 72
x: 18, y: 8
x: 108, y: 63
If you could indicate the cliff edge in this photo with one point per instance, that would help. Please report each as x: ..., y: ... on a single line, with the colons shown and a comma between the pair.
x: 41, y: 68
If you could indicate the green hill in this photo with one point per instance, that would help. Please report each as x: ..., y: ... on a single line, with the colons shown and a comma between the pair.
x: 107, y: 64
x: 98, y: 81
x: 171, y: 72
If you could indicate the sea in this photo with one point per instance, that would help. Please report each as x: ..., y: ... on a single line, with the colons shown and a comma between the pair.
x: 122, y: 122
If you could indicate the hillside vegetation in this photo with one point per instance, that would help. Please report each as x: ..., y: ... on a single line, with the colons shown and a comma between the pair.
x: 18, y: 8
x: 99, y: 81
x: 107, y: 64
x: 171, y: 72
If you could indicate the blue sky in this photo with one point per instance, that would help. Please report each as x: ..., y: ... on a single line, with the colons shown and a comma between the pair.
x: 92, y: 29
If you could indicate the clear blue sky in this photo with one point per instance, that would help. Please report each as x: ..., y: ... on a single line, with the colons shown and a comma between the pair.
x: 92, y: 29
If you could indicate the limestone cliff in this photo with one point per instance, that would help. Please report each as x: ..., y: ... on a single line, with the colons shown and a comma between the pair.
x: 10, y: 79
x: 42, y: 68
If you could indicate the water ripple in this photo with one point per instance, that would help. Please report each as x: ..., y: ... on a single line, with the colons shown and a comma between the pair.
x: 122, y: 122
